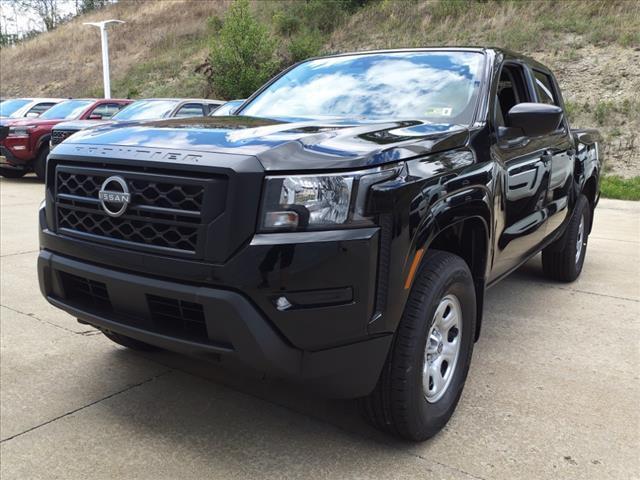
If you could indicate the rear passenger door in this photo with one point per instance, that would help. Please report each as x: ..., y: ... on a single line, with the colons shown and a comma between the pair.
x: 560, y: 150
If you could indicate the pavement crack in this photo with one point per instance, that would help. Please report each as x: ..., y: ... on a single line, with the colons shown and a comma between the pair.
x: 126, y: 389
x: 459, y: 470
x: 592, y: 237
x: 46, y: 322
x: 18, y: 253
x: 566, y: 289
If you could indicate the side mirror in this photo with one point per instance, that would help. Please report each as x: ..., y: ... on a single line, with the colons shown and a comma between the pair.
x: 535, y: 119
x: 32, y: 115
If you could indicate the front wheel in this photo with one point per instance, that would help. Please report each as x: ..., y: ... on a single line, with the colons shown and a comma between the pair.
x: 426, y: 369
x: 563, y: 260
x: 40, y: 164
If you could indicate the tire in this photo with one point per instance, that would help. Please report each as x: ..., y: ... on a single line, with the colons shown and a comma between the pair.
x: 563, y: 259
x: 129, y: 342
x: 11, y: 173
x: 399, y: 403
x: 40, y: 164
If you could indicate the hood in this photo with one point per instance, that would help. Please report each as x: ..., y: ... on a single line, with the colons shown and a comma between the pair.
x: 81, y: 124
x: 39, y: 122
x: 287, y: 145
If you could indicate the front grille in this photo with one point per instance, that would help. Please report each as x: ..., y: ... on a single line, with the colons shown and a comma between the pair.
x: 178, y: 318
x: 165, y: 194
x: 85, y: 292
x: 58, y: 136
x: 166, y: 212
x: 136, y: 231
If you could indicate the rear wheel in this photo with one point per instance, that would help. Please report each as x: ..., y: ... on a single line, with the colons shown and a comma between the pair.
x: 12, y: 173
x: 563, y: 260
x: 129, y: 342
x: 427, y: 366
x: 40, y: 164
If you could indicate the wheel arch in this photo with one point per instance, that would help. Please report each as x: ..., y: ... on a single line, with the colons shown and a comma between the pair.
x: 590, y: 190
x: 468, y: 238
x: 43, y: 142
x: 464, y: 230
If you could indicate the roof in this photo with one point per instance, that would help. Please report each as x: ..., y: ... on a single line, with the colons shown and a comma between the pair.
x: 211, y: 100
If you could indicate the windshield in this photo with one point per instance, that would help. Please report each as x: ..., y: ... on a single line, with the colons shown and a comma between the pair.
x: 440, y: 86
x: 68, y: 110
x: 146, y: 110
x: 227, y: 108
x: 10, y: 106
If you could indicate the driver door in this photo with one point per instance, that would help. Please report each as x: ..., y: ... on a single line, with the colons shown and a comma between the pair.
x: 524, y: 176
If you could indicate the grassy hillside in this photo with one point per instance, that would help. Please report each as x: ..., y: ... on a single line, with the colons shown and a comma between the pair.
x: 593, y: 46
x: 153, y: 54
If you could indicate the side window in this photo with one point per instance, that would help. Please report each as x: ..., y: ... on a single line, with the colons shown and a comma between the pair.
x: 39, y: 108
x: 544, y: 88
x: 190, y: 110
x: 512, y: 89
x: 105, y: 110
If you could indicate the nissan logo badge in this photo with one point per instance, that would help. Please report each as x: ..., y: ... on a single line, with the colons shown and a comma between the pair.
x: 114, y: 196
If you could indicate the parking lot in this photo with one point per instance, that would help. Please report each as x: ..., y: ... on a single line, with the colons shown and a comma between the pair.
x: 553, y: 390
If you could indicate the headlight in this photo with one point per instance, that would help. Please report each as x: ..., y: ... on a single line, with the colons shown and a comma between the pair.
x: 20, y: 131
x: 318, y: 202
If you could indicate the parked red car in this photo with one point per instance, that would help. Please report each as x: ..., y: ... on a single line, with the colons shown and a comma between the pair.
x: 24, y: 143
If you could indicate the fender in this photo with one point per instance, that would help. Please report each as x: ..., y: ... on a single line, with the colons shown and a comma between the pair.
x: 432, y: 212
x: 43, y: 140
x: 457, y: 210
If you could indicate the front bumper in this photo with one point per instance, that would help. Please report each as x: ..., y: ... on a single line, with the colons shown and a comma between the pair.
x: 9, y: 160
x: 16, y: 152
x: 238, y: 330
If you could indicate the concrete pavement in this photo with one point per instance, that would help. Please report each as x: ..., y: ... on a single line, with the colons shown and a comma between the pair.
x: 553, y: 390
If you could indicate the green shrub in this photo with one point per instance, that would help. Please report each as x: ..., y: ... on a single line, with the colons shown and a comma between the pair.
x: 602, y: 112
x: 286, y: 23
x: 324, y: 15
x: 242, y: 54
x: 304, y: 45
x: 215, y: 24
x: 448, y: 8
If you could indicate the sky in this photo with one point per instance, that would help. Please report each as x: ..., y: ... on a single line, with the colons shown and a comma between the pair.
x: 16, y: 20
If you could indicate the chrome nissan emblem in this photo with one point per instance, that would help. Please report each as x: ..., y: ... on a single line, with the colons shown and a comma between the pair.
x: 114, y: 201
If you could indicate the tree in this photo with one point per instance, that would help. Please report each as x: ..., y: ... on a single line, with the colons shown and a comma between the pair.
x: 84, y: 6
x: 47, y: 10
x: 243, y: 54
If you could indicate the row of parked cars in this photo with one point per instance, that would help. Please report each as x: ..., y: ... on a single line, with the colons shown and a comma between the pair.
x: 30, y: 127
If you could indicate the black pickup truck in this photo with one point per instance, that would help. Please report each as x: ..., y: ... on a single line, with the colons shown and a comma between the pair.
x: 339, y: 230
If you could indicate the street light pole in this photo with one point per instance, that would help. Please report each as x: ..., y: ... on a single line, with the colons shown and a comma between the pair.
x: 105, y: 53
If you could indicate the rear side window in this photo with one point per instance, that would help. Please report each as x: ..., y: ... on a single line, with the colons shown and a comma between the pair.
x: 40, y: 108
x: 191, y: 110
x: 544, y: 88
x: 106, y: 110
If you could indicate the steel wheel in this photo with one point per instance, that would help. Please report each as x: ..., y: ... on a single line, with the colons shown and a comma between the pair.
x: 442, y: 349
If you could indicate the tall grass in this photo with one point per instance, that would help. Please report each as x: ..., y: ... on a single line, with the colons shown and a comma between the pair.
x: 516, y: 24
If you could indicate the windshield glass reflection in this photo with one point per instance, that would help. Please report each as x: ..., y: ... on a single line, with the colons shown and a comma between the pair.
x: 441, y: 86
